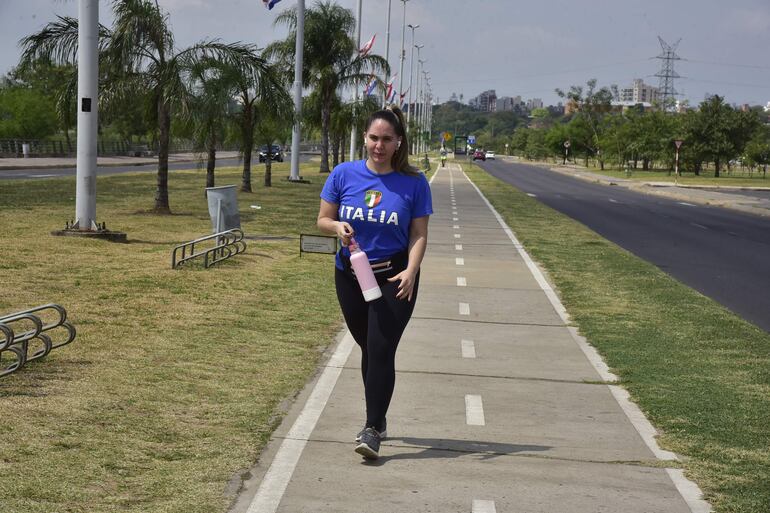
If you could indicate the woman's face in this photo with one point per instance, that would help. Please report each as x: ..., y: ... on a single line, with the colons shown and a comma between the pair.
x: 381, y: 142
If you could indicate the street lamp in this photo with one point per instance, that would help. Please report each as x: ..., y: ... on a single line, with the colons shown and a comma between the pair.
x: 296, y: 132
x: 403, y: 54
x: 354, y: 131
x: 411, y: 73
x: 387, y: 55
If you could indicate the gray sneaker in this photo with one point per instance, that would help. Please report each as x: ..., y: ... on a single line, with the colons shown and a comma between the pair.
x: 383, y: 433
x: 369, y: 446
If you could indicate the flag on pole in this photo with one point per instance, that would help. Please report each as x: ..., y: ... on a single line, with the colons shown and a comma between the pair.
x: 270, y: 3
x: 390, y: 94
x: 403, y: 103
x: 370, y: 88
x: 364, y: 50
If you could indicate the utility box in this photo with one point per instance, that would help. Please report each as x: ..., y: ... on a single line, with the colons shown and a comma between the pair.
x: 223, y: 208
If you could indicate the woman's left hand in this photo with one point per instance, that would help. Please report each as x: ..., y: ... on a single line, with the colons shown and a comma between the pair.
x: 406, y: 286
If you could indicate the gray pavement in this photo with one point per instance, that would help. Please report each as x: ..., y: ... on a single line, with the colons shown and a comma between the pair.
x: 499, y: 405
x: 751, y: 200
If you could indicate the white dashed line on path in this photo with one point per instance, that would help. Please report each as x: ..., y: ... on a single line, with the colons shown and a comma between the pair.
x: 531, y: 195
x: 458, y: 247
x: 468, y: 348
x: 687, y: 204
x: 483, y: 506
x: 456, y: 227
x: 699, y: 226
x: 461, y: 282
x: 457, y: 235
x: 459, y: 261
x: 474, y: 410
x: 465, y: 309
x: 614, y: 201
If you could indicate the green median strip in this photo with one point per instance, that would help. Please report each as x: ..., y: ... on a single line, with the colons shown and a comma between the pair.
x: 176, y: 378
x: 699, y: 372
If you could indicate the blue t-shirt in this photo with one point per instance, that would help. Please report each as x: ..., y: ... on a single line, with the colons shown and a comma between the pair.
x: 378, y: 207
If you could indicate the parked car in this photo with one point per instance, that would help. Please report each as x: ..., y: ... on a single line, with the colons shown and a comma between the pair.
x: 276, y: 153
x: 490, y: 155
x: 479, y: 155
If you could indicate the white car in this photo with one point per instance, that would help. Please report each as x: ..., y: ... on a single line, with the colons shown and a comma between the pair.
x: 490, y: 155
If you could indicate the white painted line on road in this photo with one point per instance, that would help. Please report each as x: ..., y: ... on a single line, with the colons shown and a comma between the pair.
x: 468, y: 348
x: 458, y: 247
x: 474, y: 410
x: 457, y: 235
x: 456, y: 227
x: 690, y: 491
x: 459, y: 261
x: 465, y: 309
x: 699, y: 226
x: 461, y: 282
x: 455, y: 219
x: 614, y: 201
x: 480, y: 506
x: 531, y: 195
x: 282, y: 467
x: 41, y: 176
x: 687, y: 204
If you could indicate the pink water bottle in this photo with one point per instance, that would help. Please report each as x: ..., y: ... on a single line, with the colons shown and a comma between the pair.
x: 364, y: 274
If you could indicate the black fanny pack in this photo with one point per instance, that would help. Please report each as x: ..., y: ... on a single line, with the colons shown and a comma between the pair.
x: 383, y: 268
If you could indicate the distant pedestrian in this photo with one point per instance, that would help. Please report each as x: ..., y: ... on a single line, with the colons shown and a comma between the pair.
x: 385, y: 203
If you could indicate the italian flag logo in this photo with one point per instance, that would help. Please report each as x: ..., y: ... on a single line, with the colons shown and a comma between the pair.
x: 372, y: 198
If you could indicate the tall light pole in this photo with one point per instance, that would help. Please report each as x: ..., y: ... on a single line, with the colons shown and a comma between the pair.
x: 88, y: 114
x: 296, y: 133
x: 403, y: 55
x: 411, y: 73
x: 353, y: 130
x: 418, y: 102
x: 387, y: 55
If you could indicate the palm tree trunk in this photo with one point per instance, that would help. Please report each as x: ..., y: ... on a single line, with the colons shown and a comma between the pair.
x: 325, y: 117
x: 268, y: 169
x: 717, y: 165
x: 164, y: 126
x: 247, y: 136
x: 211, y: 164
x: 342, y: 148
x: 335, y: 151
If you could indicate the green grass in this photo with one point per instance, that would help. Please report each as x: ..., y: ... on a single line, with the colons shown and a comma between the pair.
x: 175, y: 380
x: 699, y: 372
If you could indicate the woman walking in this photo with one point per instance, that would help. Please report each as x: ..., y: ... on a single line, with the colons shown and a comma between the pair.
x: 385, y: 203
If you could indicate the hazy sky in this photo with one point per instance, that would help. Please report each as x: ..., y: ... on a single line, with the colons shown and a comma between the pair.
x: 516, y: 48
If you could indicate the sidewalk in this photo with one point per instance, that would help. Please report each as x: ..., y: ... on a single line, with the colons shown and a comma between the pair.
x: 703, y: 195
x: 499, y: 405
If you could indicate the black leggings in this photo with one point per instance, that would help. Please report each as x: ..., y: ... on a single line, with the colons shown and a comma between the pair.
x: 377, y: 327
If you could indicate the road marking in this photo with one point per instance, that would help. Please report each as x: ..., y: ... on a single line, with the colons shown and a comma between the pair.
x: 459, y: 261
x: 699, y: 226
x: 456, y: 227
x: 614, y: 201
x: 687, y: 204
x: 41, y: 176
x: 531, y: 195
x: 457, y: 235
x: 282, y: 467
x: 465, y: 309
x: 458, y: 247
x: 480, y: 506
x: 468, y: 348
x: 455, y: 219
x: 474, y: 410
x: 461, y: 282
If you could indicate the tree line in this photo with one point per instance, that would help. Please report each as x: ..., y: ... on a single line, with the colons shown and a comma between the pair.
x: 209, y: 93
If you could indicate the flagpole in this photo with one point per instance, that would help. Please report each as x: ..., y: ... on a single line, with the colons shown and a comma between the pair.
x: 353, y: 130
x: 298, y: 57
x: 403, y: 56
x: 387, y: 55
x: 411, y: 75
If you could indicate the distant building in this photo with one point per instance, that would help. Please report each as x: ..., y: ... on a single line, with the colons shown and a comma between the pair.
x: 639, y: 92
x: 485, y: 102
x: 767, y: 107
x: 506, y: 104
x: 534, y: 103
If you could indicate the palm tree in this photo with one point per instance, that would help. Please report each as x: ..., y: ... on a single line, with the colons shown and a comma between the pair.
x: 139, y: 54
x: 331, y: 60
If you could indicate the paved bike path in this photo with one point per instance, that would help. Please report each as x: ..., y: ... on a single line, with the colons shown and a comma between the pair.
x: 498, y: 406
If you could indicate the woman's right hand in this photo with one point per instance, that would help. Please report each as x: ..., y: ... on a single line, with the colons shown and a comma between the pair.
x: 344, y: 232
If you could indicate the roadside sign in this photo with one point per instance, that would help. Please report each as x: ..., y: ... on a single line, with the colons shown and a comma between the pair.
x: 678, y: 144
x: 471, y: 139
x: 447, y: 136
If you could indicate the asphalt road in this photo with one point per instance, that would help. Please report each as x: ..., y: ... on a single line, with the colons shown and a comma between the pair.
x: 22, y: 174
x: 721, y: 253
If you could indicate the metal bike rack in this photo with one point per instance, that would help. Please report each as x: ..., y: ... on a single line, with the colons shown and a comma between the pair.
x: 226, y: 244
x: 28, y: 337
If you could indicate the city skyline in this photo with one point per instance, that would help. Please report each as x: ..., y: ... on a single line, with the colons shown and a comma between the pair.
x: 526, y: 50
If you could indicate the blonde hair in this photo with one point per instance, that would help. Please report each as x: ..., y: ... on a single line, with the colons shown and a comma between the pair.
x: 400, y: 160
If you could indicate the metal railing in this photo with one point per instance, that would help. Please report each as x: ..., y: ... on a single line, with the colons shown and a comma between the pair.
x: 226, y: 244
x: 28, y: 336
